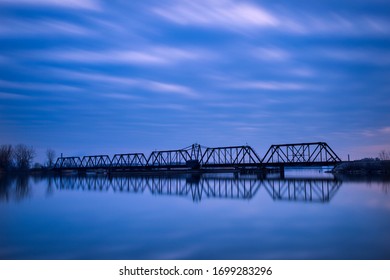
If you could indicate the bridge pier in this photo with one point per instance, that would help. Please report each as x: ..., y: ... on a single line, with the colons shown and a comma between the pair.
x: 81, y: 172
x: 281, y: 171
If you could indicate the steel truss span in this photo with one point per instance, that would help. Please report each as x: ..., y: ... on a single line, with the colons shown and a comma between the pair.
x: 68, y: 162
x: 197, y: 157
x: 303, y: 153
x: 129, y: 160
x: 94, y: 161
x: 172, y: 158
x: 230, y: 156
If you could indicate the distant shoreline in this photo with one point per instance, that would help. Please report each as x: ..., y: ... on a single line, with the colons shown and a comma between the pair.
x: 363, y: 167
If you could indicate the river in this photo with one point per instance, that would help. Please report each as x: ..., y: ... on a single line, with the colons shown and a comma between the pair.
x: 309, y: 214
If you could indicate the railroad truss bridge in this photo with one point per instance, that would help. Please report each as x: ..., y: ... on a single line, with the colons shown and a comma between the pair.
x: 197, y: 158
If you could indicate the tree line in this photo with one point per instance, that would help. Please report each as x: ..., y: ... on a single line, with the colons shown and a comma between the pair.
x: 384, y: 155
x: 20, y: 157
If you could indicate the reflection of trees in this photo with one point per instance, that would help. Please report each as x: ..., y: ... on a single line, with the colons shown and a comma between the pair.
x: 381, y: 180
x: 22, y: 189
x: 4, y: 184
x: 50, y: 189
x: 14, y: 187
x: 18, y: 187
x: 385, y: 187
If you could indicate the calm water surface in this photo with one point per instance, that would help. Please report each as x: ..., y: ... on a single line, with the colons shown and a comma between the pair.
x: 307, y: 215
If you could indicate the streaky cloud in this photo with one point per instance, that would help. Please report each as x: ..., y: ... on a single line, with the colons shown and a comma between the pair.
x: 8, y: 95
x: 233, y: 104
x: 120, y: 96
x: 71, y: 4
x: 116, y: 81
x: 302, y: 72
x: 271, y: 54
x: 25, y: 27
x: 37, y: 86
x: 355, y: 55
x: 270, y: 85
x: 170, y: 88
x: 308, y: 23
x: 165, y: 106
x: 224, y: 14
x: 155, y: 55
x: 243, y: 16
x: 385, y: 130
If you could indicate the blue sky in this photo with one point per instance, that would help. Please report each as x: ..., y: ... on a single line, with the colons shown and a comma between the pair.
x: 102, y: 77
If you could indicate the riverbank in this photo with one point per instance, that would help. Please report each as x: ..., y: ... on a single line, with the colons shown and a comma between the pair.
x: 365, y: 166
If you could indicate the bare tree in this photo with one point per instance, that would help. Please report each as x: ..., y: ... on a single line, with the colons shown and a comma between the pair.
x: 5, y: 157
x: 50, y: 155
x: 384, y: 155
x: 23, y: 156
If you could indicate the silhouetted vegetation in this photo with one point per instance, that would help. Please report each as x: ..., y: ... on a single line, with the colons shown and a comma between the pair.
x: 6, y: 154
x: 50, y: 155
x: 384, y: 155
x: 364, y: 166
x: 23, y: 156
x: 19, y: 157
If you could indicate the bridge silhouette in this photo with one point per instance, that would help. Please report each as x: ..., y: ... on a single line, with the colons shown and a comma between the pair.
x: 199, y: 158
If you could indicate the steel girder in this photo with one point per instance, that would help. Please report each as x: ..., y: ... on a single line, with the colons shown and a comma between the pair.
x: 233, y: 155
x: 67, y: 163
x: 170, y: 158
x: 100, y: 161
x: 301, y: 153
x: 129, y: 160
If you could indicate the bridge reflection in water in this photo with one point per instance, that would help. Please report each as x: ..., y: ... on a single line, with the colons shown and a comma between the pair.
x: 320, y: 190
